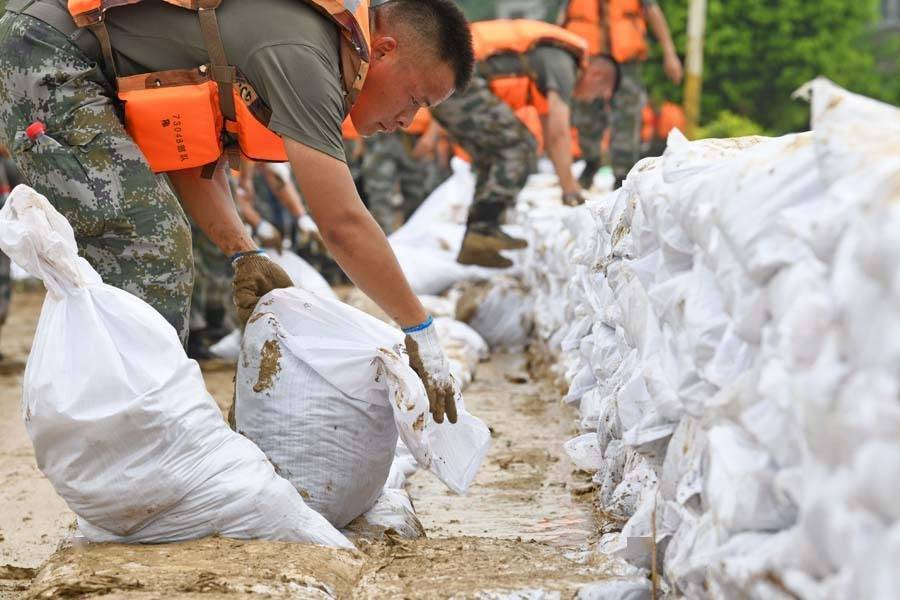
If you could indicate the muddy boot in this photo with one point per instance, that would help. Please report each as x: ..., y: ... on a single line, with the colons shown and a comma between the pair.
x: 482, y: 246
x: 484, y: 238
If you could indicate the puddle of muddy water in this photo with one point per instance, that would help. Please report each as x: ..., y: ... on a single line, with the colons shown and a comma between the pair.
x: 522, y: 488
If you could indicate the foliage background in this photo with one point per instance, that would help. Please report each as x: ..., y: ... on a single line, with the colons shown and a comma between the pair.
x: 759, y: 51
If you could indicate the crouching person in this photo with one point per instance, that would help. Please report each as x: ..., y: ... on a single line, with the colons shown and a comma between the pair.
x: 126, y: 117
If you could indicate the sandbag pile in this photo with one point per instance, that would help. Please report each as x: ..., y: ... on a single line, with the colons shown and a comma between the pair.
x: 728, y: 325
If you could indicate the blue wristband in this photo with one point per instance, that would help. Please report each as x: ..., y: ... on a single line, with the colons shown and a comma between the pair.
x: 239, y: 255
x: 423, y: 325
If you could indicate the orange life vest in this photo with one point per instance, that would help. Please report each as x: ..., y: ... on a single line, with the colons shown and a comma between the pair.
x: 520, y: 36
x: 671, y: 116
x: 648, y: 123
x: 348, y: 131
x: 419, y: 123
x: 615, y: 27
x: 187, y: 118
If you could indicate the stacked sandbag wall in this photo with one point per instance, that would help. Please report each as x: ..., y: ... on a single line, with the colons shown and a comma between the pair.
x: 728, y: 324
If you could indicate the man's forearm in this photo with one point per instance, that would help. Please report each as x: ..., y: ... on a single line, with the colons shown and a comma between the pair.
x: 209, y: 203
x: 351, y: 235
x: 660, y: 27
x: 559, y: 142
x: 285, y: 192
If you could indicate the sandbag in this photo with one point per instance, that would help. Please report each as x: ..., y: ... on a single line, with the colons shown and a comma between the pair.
x: 126, y: 432
x: 324, y: 389
x: 302, y: 273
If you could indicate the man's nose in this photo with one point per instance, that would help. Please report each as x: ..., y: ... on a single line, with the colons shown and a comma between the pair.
x: 407, y: 116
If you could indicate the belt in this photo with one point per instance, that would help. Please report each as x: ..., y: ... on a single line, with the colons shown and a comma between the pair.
x: 59, y: 19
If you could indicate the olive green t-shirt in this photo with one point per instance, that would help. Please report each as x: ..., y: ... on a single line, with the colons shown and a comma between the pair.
x: 551, y: 67
x: 286, y: 49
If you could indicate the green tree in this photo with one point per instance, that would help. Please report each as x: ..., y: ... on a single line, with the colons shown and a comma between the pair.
x: 759, y: 51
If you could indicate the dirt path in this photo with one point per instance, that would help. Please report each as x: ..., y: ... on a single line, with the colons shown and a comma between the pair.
x: 520, y: 529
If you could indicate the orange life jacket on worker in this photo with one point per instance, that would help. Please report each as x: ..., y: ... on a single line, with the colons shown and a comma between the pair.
x: 671, y: 116
x: 648, y: 123
x: 615, y: 27
x: 187, y: 118
x: 520, y: 36
x: 419, y: 123
x: 348, y: 131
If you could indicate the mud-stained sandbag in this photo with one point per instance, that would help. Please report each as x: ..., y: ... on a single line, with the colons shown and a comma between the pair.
x: 301, y: 273
x: 324, y: 389
x: 120, y: 419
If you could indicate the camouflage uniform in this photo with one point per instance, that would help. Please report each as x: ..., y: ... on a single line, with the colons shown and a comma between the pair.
x: 212, y: 283
x: 624, y: 117
x: 389, y: 160
x: 501, y: 147
x: 355, y: 166
x: 128, y: 223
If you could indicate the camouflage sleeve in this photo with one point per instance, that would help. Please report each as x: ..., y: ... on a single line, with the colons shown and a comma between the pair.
x: 556, y: 70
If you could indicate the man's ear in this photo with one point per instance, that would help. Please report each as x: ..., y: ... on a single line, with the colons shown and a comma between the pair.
x: 383, y: 46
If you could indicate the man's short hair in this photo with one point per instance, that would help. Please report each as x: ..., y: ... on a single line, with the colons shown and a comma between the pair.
x: 441, y: 25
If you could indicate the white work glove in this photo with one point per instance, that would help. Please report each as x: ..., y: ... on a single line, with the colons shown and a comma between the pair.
x: 306, y: 224
x: 268, y: 234
x: 426, y: 357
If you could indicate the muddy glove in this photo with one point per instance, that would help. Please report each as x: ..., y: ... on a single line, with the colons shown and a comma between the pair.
x: 573, y: 198
x: 428, y: 361
x: 308, y: 229
x: 254, y: 277
x: 268, y: 235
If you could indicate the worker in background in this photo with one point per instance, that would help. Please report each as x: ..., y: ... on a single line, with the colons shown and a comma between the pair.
x: 201, y: 84
x: 210, y: 298
x: 354, y: 150
x: 660, y: 123
x: 617, y: 28
x: 395, y: 161
x: 520, y: 63
x: 9, y: 178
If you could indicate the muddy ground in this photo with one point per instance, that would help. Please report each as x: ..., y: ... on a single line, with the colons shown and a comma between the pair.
x: 526, y: 524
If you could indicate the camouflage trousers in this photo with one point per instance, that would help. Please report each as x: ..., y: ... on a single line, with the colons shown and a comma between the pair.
x: 128, y: 223
x: 212, y: 282
x: 501, y: 147
x: 388, y: 161
x: 623, y: 117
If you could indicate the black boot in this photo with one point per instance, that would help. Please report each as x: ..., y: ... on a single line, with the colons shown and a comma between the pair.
x: 197, y: 347
x: 215, y: 324
x: 586, y: 179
